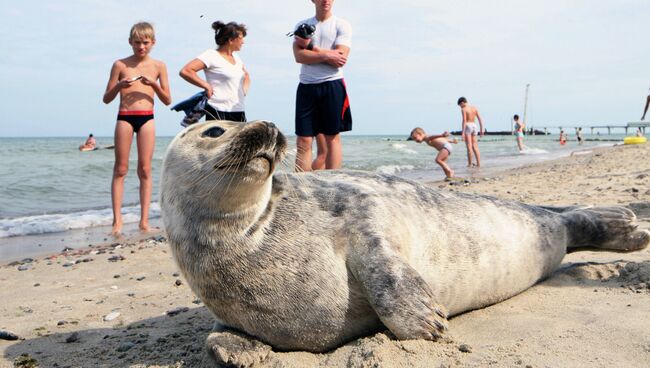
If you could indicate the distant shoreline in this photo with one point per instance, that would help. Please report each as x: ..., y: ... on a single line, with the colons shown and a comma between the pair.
x: 35, y: 245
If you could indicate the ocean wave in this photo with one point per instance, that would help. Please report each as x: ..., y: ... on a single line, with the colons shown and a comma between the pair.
x: 533, y: 151
x: 54, y: 223
x: 402, y: 148
x: 393, y: 169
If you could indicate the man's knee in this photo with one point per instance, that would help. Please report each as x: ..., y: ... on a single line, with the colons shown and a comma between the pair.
x: 333, y: 137
x: 303, y: 143
x: 333, y: 140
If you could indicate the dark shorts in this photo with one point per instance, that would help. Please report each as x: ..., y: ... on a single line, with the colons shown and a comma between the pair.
x: 212, y: 114
x: 322, y: 108
x: 135, y: 118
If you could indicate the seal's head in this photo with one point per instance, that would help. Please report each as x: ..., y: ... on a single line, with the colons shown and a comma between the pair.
x: 218, y: 164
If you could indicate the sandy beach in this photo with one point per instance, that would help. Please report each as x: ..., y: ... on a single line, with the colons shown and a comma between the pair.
x: 124, y: 304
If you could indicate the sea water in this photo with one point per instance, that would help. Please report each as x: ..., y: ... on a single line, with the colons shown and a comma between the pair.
x: 48, y: 186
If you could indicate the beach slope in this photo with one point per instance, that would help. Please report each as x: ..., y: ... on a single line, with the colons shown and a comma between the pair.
x: 124, y: 304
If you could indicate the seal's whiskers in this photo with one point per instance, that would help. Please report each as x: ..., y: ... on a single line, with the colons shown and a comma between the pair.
x: 232, y: 177
x: 199, y: 180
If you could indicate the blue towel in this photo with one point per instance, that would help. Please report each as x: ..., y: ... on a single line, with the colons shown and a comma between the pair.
x: 193, y: 107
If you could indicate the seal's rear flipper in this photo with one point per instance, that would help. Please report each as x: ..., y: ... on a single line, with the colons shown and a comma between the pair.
x: 562, y: 209
x: 604, y: 228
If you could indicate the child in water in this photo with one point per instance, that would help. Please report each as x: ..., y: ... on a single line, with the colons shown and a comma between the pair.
x: 90, y: 144
x: 439, y: 142
x: 470, y: 131
x: 519, y: 132
x: 563, y: 137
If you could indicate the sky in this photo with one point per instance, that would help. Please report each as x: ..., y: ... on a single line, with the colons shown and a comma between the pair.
x: 586, y: 61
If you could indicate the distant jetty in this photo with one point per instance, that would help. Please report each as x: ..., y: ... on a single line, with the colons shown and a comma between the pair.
x: 506, y: 132
x: 591, y: 128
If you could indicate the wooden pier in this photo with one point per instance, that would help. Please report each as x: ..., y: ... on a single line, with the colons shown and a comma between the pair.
x: 631, y: 125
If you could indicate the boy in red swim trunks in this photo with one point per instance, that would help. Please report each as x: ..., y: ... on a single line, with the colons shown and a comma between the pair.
x: 136, y: 79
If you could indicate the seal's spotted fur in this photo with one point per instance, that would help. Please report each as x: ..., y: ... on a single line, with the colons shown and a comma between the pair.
x: 310, y: 261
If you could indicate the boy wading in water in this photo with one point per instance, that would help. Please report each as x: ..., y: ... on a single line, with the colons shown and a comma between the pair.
x: 439, y: 142
x: 470, y: 130
x: 136, y: 79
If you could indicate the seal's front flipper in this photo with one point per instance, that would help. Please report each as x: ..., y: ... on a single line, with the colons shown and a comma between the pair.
x: 227, y: 348
x: 604, y: 228
x: 398, y: 294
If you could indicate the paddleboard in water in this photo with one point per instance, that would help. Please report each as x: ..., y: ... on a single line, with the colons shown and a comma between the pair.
x: 87, y: 149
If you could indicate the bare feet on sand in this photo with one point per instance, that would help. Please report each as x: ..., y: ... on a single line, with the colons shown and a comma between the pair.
x: 144, y: 227
x: 117, y: 228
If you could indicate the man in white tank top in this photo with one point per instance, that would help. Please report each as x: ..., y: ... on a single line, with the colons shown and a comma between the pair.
x: 322, y: 105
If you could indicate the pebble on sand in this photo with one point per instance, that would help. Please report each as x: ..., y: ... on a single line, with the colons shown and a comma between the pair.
x: 111, y: 316
x: 125, y: 346
x: 116, y: 258
x: 74, y: 337
x: 178, y: 310
x: 25, y: 361
x: 8, y: 335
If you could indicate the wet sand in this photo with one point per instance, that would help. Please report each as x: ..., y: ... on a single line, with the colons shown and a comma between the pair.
x: 124, y: 304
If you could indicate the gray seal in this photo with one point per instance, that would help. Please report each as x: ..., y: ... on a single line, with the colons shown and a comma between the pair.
x: 312, y: 261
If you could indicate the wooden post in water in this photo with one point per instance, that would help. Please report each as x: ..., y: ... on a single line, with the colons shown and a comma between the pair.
x: 525, y: 107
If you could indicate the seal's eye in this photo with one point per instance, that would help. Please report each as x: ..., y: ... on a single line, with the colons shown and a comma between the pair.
x: 214, y: 132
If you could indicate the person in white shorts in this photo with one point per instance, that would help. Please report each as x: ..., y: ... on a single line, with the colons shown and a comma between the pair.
x: 470, y: 131
x: 441, y: 142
